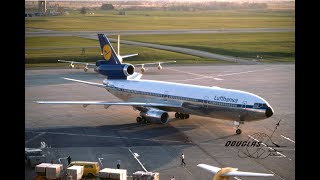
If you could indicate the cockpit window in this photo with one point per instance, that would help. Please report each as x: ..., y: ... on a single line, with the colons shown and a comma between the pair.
x: 259, y: 105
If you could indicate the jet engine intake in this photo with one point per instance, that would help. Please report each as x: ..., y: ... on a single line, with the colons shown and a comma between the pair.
x: 155, y: 116
x: 128, y: 69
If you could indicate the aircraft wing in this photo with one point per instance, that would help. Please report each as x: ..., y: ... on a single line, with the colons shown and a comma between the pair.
x: 209, y: 168
x: 235, y: 172
x: 86, y: 65
x: 247, y: 174
x: 86, y: 103
x: 86, y: 82
x: 128, y: 55
x: 156, y: 63
x: 135, y: 76
x: 76, y: 62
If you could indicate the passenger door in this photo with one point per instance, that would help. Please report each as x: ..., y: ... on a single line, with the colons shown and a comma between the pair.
x: 205, y: 101
x: 166, y: 94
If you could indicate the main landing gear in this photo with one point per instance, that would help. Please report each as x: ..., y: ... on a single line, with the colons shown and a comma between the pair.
x: 237, y: 125
x: 181, y: 116
x: 141, y: 120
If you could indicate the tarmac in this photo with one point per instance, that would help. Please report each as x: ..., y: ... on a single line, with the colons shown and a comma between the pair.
x: 108, y: 135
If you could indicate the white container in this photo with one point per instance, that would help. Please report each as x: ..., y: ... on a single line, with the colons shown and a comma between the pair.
x: 120, y: 174
x: 75, y: 171
x: 54, y: 171
x: 41, y: 168
x: 141, y: 175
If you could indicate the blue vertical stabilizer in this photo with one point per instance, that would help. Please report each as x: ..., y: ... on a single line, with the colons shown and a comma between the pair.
x: 107, y: 50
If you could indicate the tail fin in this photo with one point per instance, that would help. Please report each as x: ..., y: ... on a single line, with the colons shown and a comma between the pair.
x: 107, y: 50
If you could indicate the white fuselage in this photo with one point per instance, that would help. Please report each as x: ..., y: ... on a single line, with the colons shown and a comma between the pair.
x: 213, y: 102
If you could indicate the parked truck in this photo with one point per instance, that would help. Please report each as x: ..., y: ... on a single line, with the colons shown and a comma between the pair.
x: 34, y: 156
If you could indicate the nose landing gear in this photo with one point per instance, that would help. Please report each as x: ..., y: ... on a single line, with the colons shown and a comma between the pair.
x: 237, y: 125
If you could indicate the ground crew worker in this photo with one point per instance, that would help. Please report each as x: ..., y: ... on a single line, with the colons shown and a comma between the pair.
x: 118, y: 164
x: 69, y: 160
x: 182, y: 160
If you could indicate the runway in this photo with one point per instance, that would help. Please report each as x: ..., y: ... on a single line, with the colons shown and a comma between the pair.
x: 108, y: 135
x: 35, y: 32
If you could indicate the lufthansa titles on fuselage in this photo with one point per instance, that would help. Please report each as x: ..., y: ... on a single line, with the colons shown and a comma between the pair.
x: 224, y: 99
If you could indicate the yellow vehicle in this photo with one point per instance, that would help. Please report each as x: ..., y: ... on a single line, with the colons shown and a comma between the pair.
x: 90, y: 169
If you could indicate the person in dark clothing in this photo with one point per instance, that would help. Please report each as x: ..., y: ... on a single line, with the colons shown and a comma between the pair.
x: 118, y: 164
x: 69, y: 160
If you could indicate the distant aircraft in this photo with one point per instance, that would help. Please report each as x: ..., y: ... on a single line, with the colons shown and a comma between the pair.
x: 154, y: 99
x: 227, y: 172
x: 74, y: 64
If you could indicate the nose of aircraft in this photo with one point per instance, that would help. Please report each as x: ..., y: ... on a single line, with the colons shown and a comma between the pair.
x: 269, y: 111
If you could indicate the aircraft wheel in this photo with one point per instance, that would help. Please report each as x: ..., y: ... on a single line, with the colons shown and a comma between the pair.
x: 187, y: 116
x: 177, y: 115
x: 139, y: 119
x: 145, y: 121
x: 238, y: 131
x: 182, y: 116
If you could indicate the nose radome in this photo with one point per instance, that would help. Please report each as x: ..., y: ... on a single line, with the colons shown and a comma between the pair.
x: 269, y: 111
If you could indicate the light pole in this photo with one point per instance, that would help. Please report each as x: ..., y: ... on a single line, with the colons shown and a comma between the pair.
x: 100, y: 161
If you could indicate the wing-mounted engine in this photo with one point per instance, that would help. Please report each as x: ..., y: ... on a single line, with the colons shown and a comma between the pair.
x: 159, y: 67
x: 155, y: 116
x: 71, y: 65
x: 85, y: 69
x: 114, y: 71
x: 142, y: 68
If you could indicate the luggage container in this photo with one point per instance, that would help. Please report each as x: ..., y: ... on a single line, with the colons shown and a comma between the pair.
x: 54, y: 171
x: 141, y: 175
x: 76, y: 172
x: 108, y: 173
x: 40, y: 169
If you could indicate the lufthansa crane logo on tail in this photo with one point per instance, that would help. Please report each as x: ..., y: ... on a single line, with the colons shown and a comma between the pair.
x: 106, y: 52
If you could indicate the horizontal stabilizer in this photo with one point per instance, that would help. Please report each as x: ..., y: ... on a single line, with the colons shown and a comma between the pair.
x: 128, y: 55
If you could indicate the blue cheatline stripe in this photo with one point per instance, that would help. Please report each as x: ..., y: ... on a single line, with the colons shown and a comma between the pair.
x: 184, y: 98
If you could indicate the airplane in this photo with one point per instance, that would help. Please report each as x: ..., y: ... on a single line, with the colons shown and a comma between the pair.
x: 227, y: 172
x: 154, y: 99
x: 74, y: 64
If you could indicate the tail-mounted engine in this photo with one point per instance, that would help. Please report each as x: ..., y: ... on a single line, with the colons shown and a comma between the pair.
x: 114, y: 71
x: 155, y: 116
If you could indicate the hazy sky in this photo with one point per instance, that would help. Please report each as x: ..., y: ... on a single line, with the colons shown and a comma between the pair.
x: 175, y: 0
